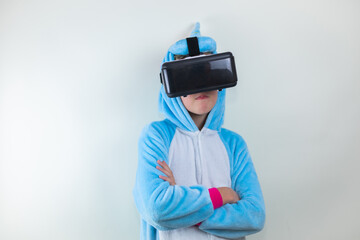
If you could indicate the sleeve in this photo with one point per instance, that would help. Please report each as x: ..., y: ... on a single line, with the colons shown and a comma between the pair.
x: 161, y: 205
x: 247, y: 216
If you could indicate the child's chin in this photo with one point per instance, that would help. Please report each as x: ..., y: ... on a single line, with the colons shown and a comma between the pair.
x: 202, y: 111
x: 206, y: 108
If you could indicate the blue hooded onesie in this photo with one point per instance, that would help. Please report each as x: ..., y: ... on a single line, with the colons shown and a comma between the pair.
x: 200, y: 160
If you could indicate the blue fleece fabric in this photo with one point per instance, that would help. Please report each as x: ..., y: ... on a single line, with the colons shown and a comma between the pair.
x: 166, y: 207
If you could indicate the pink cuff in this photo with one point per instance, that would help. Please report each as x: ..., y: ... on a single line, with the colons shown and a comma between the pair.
x: 216, y: 198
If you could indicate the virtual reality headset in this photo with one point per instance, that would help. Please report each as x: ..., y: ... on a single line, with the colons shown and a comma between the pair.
x: 198, y: 73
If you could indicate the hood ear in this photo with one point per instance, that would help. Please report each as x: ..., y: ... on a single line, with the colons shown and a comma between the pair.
x: 206, y: 44
x: 196, y: 31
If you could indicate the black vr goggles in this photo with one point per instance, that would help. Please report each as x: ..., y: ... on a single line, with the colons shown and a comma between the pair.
x: 199, y: 73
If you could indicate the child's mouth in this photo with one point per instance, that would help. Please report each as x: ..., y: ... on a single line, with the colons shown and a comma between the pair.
x: 201, y: 97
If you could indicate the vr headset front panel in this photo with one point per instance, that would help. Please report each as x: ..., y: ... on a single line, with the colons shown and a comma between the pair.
x: 199, y: 74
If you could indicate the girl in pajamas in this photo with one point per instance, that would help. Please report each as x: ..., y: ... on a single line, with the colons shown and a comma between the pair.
x: 195, y: 179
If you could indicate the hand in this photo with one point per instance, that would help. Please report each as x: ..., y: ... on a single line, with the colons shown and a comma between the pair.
x: 167, y: 171
x: 228, y: 195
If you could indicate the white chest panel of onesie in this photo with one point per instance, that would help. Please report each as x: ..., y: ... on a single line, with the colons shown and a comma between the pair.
x: 215, y: 160
x: 197, y: 158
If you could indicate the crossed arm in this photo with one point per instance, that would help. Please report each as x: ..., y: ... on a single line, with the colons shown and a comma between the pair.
x: 235, y: 218
x: 228, y: 195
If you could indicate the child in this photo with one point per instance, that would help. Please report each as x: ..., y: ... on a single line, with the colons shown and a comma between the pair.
x: 195, y: 179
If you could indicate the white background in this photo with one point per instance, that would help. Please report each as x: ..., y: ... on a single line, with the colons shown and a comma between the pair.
x: 79, y: 80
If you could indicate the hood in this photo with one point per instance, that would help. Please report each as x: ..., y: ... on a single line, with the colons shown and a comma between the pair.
x: 173, y: 108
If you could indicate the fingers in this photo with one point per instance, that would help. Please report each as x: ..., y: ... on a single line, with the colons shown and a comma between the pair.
x: 164, y: 165
x: 164, y: 171
x: 165, y: 168
x: 236, y: 198
x: 165, y: 178
x: 167, y: 171
x: 228, y: 195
